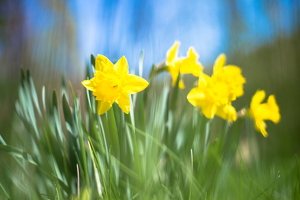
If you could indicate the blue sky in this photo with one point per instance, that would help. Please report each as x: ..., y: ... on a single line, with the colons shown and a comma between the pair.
x: 117, y: 28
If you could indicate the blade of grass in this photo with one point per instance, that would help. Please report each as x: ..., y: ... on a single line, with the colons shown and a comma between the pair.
x: 171, y: 154
x: 98, y: 183
x: 277, y: 176
x: 3, y: 193
x: 15, y: 152
x: 109, y: 194
x: 105, y: 130
x: 99, y: 166
x: 81, y: 142
x: 33, y: 93
x: 113, y: 132
x: 207, y: 135
x: 135, y: 146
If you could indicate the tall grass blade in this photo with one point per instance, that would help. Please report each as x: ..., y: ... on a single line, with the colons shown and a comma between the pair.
x: 3, y: 193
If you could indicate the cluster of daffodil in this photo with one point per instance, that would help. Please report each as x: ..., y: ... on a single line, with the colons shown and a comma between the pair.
x: 214, y: 94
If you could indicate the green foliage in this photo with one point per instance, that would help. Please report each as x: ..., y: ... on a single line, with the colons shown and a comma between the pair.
x: 162, y: 149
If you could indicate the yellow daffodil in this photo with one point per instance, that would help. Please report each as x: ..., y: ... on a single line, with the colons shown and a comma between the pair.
x: 112, y: 83
x: 231, y: 75
x: 215, y: 94
x: 184, y: 65
x: 263, y: 111
x: 212, y: 97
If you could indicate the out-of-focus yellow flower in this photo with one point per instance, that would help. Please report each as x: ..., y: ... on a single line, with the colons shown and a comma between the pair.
x: 113, y: 83
x: 184, y: 65
x: 263, y: 111
x: 231, y: 75
x: 212, y: 96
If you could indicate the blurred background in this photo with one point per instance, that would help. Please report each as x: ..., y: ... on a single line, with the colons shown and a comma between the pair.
x: 56, y: 37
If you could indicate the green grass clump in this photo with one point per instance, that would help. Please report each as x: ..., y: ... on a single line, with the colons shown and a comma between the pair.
x: 163, y: 149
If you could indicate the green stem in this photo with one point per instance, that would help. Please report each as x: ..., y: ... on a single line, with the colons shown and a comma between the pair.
x: 113, y: 132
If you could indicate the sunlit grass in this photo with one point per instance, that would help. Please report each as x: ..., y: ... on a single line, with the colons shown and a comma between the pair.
x: 163, y: 149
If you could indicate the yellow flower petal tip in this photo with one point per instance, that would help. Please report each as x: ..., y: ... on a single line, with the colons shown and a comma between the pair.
x: 183, y: 65
x: 172, y: 52
x: 263, y: 111
x: 112, y: 83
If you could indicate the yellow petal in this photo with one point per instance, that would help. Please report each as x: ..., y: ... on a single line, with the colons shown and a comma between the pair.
x: 124, y: 102
x: 196, y: 97
x: 181, y: 84
x: 274, y: 109
x: 257, y: 98
x: 174, y: 71
x: 89, y: 84
x: 261, y: 126
x: 232, y: 69
x: 203, y: 80
x: 209, y: 109
x: 192, y: 53
x: 227, y: 112
x: 174, y: 79
x: 190, y: 65
x: 219, y: 63
x: 106, y: 87
x: 135, y: 84
x: 103, y: 64
x: 172, y: 52
x: 122, y: 66
x: 103, y: 106
x: 268, y: 111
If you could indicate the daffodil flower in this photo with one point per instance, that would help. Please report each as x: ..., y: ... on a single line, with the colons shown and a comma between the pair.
x: 183, y: 65
x: 231, y: 75
x: 212, y: 97
x: 215, y: 94
x: 113, y: 83
x: 263, y: 111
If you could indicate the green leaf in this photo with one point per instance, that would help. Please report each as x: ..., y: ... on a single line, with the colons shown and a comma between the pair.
x: 44, y: 98
x: 233, y: 139
x: 137, y: 164
x: 113, y: 132
x: 87, y: 72
x: 67, y: 112
x: 54, y: 100
x: 33, y: 93
x: 28, y: 75
x: 23, y: 77
x: 96, y: 175
x: 99, y: 166
x: 175, y: 95
x: 3, y: 193
x: 174, y: 157
x: 18, y: 153
x: 93, y: 60
x: 141, y: 61
x: 15, y: 152
x: 80, y: 136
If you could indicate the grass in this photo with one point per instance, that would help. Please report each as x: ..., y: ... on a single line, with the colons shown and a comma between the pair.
x: 162, y: 149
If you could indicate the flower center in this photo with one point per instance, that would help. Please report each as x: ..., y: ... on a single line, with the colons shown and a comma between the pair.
x: 109, y: 87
